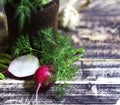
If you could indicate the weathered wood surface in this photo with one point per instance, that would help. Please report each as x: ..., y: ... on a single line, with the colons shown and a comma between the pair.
x: 83, y: 93
x: 98, y: 80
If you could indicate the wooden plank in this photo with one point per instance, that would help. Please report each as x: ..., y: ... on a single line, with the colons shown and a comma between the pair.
x: 99, y: 60
x: 93, y: 69
x: 82, y: 93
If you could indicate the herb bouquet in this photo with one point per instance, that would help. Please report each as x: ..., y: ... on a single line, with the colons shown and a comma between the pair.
x: 37, y: 49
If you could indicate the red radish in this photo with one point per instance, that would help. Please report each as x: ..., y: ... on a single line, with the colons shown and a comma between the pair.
x: 24, y: 66
x: 44, y: 77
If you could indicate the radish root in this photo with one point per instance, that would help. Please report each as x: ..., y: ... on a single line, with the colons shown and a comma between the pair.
x: 38, y: 87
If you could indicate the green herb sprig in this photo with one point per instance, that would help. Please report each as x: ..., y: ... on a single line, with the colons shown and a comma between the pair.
x: 23, y: 9
x: 51, y: 48
x: 62, y: 54
x: 22, y: 46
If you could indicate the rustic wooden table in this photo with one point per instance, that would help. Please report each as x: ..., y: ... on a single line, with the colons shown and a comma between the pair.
x: 98, y: 80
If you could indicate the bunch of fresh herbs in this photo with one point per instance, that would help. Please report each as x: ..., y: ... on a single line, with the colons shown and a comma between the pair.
x: 51, y: 48
x: 23, y: 9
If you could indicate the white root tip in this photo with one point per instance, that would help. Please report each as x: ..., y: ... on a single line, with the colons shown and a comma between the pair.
x: 38, y: 87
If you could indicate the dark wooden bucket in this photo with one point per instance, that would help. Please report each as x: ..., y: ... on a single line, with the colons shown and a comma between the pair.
x: 39, y: 19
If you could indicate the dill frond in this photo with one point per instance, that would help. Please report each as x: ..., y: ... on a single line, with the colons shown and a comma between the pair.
x: 58, y: 52
x: 24, y: 8
x: 22, y: 46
